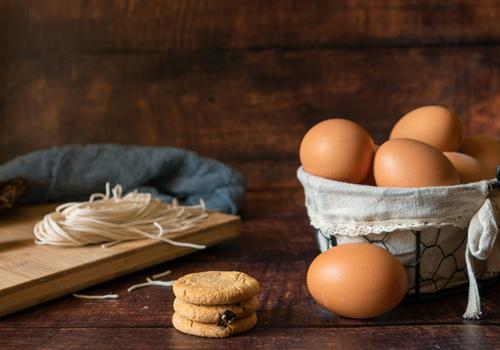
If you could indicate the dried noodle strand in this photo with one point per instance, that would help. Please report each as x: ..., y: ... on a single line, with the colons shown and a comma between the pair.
x: 162, y: 274
x: 96, y: 297
x: 150, y: 282
x: 110, y: 218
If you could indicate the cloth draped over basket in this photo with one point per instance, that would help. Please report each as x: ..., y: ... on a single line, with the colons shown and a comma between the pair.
x: 343, y: 209
x: 73, y: 172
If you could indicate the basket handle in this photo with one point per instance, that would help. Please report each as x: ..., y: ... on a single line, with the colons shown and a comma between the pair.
x: 495, y: 184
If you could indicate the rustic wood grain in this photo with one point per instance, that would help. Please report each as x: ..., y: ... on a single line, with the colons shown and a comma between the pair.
x: 400, y: 337
x: 32, y: 274
x: 238, y: 106
x: 242, y: 81
x: 177, y: 25
x: 276, y: 251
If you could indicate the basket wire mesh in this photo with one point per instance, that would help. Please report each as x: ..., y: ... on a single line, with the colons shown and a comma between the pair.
x: 441, y: 256
x: 424, y: 244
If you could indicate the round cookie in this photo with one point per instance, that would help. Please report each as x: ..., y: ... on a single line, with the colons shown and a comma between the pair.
x: 212, y: 330
x: 220, y: 314
x: 215, y: 287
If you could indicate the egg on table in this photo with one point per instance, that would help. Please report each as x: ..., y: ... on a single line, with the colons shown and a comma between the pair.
x: 337, y: 149
x: 411, y: 163
x: 357, y: 280
x: 434, y: 125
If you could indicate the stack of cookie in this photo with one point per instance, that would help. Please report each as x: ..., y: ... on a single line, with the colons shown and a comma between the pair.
x: 215, y: 303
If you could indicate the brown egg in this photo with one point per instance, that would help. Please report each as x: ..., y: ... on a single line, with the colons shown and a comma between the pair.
x: 357, y: 280
x: 411, y: 163
x: 370, y: 180
x: 337, y: 149
x: 468, y: 168
x: 486, y: 150
x: 434, y: 125
x: 475, y: 144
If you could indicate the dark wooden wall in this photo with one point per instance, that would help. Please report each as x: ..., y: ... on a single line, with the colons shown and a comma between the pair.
x: 240, y: 81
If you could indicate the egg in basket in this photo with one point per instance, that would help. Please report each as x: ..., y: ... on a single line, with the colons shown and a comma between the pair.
x: 425, y: 200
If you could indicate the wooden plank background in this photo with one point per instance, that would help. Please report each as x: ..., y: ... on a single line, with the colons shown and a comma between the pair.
x: 178, y: 25
x: 242, y: 81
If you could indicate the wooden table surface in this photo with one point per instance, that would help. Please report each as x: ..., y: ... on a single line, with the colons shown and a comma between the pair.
x: 276, y: 247
x: 242, y: 81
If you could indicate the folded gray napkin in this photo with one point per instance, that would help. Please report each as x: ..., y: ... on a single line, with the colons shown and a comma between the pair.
x: 73, y: 172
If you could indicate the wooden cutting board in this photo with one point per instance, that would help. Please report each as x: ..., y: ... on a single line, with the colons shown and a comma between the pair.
x: 31, y: 274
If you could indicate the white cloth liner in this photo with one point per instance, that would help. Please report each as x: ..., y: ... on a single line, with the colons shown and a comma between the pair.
x: 350, y: 210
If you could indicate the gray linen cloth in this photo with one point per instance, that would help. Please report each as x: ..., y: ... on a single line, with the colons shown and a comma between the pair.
x: 73, y: 172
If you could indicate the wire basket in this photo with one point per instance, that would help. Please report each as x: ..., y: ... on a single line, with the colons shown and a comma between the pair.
x: 444, y: 237
x: 444, y: 262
